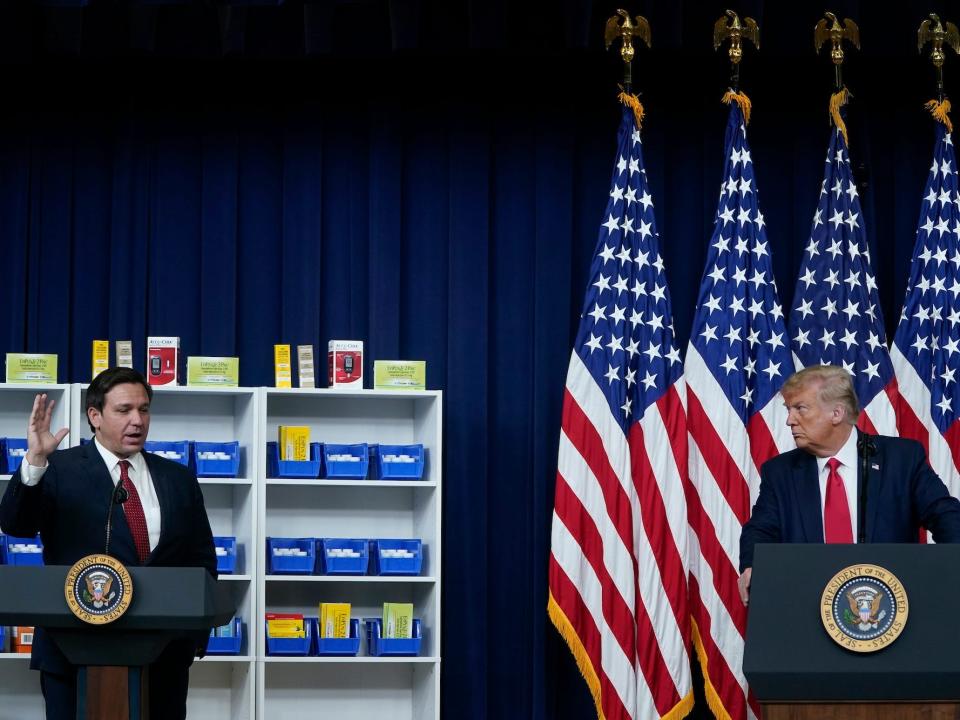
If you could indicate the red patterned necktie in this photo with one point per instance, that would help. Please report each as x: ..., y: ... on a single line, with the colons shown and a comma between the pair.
x: 134, y: 512
x: 836, y: 512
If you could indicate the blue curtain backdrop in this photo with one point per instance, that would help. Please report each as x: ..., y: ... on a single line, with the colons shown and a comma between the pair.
x: 438, y: 201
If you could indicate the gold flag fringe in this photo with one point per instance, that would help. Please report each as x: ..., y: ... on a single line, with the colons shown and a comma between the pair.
x: 837, y: 101
x: 742, y: 100
x: 569, y: 634
x: 632, y: 102
x: 941, y: 112
x: 710, y: 692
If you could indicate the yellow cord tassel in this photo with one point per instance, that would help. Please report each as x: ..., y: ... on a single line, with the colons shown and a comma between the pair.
x: 742, y: 100
x: 837, y: 101
x: 632, y: 102
x: 941, y: 112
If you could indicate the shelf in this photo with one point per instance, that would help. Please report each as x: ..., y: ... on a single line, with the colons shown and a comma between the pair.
x: 235, y: 578
x: 225, y: 659
x: 353, y: 394
x: 225, y: 481
x: 363, y: 659
x: 14, y: 656
x: 313, y: 482
x: 352, y: 578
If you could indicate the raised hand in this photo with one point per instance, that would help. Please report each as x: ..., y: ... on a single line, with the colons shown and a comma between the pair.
x: 40, y: 441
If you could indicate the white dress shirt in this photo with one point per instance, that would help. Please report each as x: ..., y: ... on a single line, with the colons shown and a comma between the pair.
x: 848, y: 473
x: 139, y: 475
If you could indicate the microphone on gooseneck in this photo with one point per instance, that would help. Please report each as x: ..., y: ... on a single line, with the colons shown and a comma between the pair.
x: 119, y: 495
x: 865, y: 450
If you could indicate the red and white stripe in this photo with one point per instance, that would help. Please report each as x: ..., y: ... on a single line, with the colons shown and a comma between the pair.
x: 724, y: 469
x: 619, y: 560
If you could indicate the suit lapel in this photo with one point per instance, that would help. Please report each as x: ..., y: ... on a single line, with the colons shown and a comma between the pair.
x: 874, y: 487
x: 807, y: 487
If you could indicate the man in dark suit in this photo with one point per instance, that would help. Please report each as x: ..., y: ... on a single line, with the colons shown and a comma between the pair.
x: 811, y: 494
x: 65, y: 494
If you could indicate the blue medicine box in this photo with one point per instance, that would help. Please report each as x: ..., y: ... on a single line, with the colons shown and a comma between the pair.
x: 377, y: 645
x: 277, y: 468
x: 284, y: 564
x: 31, y: 555
x: 342, y: 556
x: 336, y: 464
x: 340, y: 646
x: 14, y: 450
x: 391, y: 462
x: 226, y: 564
x: 229, y: 645
x: 294, y: 646
x: 389, y: 557
x: 176, y: 450
x: 209, y: 466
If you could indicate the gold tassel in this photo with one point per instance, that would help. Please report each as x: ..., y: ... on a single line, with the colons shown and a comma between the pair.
x: 941, y: 112
x: 837, y: 101
x: 713, y: 697
x: 567, y: 632
x: 742, y: 100
x: 632, y: 102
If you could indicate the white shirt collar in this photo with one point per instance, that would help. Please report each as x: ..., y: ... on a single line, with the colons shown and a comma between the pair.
x: 847, y: 454
x: 136, y: 460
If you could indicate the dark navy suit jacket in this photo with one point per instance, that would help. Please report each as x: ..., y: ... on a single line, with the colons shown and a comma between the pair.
x: 903, y: 495
x: 68, y: 507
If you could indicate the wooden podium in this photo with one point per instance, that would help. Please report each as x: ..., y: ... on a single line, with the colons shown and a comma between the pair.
x: 112, y: 682
x: 798, y: 672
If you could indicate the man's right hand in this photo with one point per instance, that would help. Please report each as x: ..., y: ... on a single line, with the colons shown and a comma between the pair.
x: 40, y: 441
x: 743, y: 584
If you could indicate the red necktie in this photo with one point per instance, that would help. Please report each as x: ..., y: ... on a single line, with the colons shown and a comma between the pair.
x: 836, y: 513
x: 134, y: 512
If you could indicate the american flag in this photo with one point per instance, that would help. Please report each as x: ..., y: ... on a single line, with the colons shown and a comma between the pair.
x: 836, y: 318
x: 618, y: 564
x: 736, y: 362
x: 926, y: 346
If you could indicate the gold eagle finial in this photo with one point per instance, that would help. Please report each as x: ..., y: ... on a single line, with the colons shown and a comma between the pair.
x: 830, y: 28
x: 935, y: 32
x: 627, y: 30
x: 735, y: 30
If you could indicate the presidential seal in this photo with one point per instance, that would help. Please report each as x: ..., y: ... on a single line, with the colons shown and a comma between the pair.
x: 98, y: 589
x: 864, y: 608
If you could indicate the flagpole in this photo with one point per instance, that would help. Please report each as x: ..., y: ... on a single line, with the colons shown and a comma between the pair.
x: 936, y: 33
x: 625, y: 28
x: 832, y: 29
x: 735, y: 31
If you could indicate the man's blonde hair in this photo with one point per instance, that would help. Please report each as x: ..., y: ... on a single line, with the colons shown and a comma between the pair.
x: 836, y: 386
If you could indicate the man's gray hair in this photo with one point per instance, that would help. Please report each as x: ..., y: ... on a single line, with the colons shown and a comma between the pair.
x: 836, y: 386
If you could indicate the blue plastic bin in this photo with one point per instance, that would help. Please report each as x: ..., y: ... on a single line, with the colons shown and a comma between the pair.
x: 226, y: 564
x: 176, y: 450
x: 20, y: 557
x: 291, y: 564
x: 3, y: 549
x: 350, y: 469
x: 393, y: 469
x: 377, y: 645
x: 294, y: 646
x: 3, y: 639
x: 340, y: 646
x: 210, y: 467
x: 227, y: 645
x: 14, y: 450
x: 389, y: 564
x: 277, y: 468
x: 330, y: 563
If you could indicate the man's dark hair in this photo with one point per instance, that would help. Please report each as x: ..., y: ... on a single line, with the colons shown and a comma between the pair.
x: 106, y: 381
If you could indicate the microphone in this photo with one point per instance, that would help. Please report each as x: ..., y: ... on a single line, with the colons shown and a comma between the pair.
x: 866, y: 449
x: 119, y: 495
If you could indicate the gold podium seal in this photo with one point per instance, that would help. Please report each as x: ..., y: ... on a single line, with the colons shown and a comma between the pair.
x: 98, y: 589
x: 864, y: 608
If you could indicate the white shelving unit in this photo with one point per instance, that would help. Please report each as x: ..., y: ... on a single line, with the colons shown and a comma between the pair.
x: 221, y: 687
x: 401, y: 688
x: 252, y: 507
x: 19, y: 685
